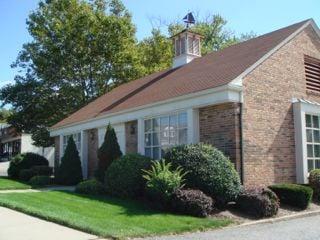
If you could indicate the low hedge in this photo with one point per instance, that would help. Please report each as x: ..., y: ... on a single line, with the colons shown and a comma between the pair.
x: 26, y: 174
x: 314, y: 181
x: 91, y: 187
x: 42, y: 170
x: 293, y: 194
x: 40, y: 181
x: 25, y: 161
x: 191, y: 202
x: 258, y: 202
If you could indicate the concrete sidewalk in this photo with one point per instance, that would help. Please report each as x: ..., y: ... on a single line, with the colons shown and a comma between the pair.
x: 18, y: 226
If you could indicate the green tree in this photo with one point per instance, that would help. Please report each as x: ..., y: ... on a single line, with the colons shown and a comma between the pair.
x: 4, y: 115
x: 108, y: 152
x: 79, y: 50
x: 69, y: 171
x: 155, y: 52
x: 213, y: 30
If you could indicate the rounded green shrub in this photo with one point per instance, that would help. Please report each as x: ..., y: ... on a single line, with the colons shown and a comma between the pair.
x: 293, y: 194
x: 40, y: 181
x: 162, y: 180
x: 191, y: 202
x: 25, y: 161
x: 314, y: 181
x: 42, y: 170
x: 208, y: 170
x: 26, y: 174
x: 258, y: 202
x: 90, y: 187
x: 124, y: 176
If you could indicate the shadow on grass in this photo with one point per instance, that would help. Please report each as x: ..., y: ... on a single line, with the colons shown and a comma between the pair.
x: 130, y: 207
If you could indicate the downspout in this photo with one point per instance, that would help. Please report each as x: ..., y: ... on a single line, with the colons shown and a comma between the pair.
x: 242, y: 175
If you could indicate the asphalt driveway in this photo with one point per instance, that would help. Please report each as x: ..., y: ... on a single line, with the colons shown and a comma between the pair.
x: 18, y: 226
x: 304, y: 228
x: 3, y: 168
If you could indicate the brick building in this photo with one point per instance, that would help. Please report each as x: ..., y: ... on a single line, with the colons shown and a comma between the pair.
x: 257, y: 101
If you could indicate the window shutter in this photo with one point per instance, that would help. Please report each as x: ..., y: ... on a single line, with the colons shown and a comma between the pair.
x: 312, y: 70
x: 183, y: 45
x: 196, y: 47
x: 177, y: 47
x: 190, y: 45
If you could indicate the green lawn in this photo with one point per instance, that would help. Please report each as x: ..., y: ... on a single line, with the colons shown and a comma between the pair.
x: 103, y: 216
x: 8, y: 184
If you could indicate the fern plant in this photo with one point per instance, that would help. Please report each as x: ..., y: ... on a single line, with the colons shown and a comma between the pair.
x: 162, y: 180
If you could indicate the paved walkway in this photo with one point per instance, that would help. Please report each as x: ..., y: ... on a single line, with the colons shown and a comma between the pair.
x: 18, y: 226
x: 305, y: 228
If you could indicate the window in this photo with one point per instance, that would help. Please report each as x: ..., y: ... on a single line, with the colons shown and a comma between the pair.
x: 313, y: 141
x: 164, y: 131
x: 312, y: 70
x: 76, y: 138
x: 183, y: 45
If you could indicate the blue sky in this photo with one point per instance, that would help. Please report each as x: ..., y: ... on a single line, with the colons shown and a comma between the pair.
x: 242, y: 16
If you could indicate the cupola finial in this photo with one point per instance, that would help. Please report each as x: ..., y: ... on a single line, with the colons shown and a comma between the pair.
x: 189, y: 19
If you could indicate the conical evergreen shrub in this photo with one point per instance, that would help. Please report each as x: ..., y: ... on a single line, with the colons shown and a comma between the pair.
x: 109, y: 151
x: 69, y: 171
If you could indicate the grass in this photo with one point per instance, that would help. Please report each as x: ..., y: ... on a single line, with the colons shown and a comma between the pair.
x: 104, y: 216
x: 8, y: 184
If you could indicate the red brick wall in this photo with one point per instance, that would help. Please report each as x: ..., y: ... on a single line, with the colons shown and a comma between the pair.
x: 219, y: 126
x: 131, y: 137
x: 93, y: 144
x: 268, y: 128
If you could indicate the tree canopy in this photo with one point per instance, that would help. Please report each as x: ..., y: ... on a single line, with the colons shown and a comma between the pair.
x: 81, y: 49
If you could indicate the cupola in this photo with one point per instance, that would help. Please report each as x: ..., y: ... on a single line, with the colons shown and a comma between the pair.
x: 187, y: 44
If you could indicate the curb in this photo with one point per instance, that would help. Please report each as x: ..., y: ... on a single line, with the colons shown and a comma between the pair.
x: 284, y: 218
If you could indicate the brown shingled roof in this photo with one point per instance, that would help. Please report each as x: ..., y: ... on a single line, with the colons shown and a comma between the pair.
x: 213, y: 70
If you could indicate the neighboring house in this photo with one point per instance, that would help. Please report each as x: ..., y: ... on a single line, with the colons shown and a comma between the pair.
x: 257, y: 101
x: 13, y: 143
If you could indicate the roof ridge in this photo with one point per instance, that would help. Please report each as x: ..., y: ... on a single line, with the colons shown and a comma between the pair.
x: 137, y: 90
x: 260, y: 36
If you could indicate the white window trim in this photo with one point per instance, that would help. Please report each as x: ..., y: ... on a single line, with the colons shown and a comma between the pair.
x: 174, y: 113
x: 192, y: 126
x: 300, y: 109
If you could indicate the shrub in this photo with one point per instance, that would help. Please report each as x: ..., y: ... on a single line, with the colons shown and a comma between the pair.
x: 124, y: 176
x: 191, y: 202
x: 14, y: 168
x: 26, y: 174
x: 293, y: 194
x: 258, y: 202
x: 208, y: 170
x: 162, y: 181
x: 314, y: 181
x: 108, y: 152
x: 42, y: 170
x: 92, y: 187
x: 69, y: 171
x: 25, y: 161
x: 39, y: 181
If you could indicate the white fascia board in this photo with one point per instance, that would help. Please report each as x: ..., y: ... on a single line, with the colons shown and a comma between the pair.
x: 238, y: 79
x: 226, y: 93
